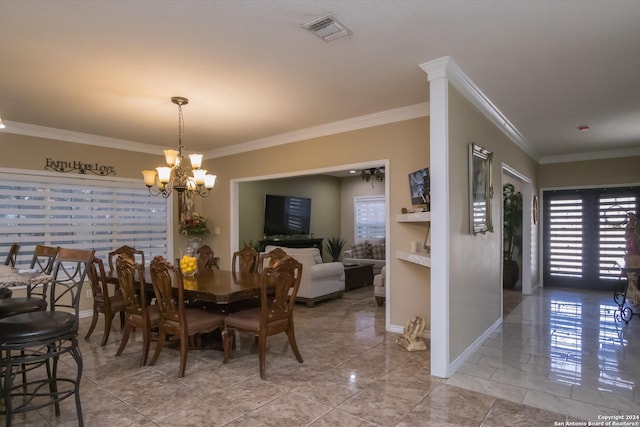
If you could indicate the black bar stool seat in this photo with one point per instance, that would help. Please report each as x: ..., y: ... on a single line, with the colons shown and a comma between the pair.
x: 36, y: 326
x: 17, y: 305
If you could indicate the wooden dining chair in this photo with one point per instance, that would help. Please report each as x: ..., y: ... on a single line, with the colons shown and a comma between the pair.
x: 279, y: 285
x: 12, y: 255
x: 246, y: 260
x: 269, y: 259
x: 137, y: 256
x: 36, y: 299
x: 176, y: 318
x: 105, y: 300
x: 137, y: 312
x: 37, y: 340
x: 205, y: 258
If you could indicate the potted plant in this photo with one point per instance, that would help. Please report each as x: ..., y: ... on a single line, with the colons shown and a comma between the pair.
x: 334, y: 247
x: 512, y: 223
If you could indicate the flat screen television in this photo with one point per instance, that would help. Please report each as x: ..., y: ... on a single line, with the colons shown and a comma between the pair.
x: 286, y: 215
x: 419, y: 183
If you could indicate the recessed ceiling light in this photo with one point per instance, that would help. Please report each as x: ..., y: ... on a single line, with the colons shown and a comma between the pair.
x: 583, y: 128
x: 353, y: 171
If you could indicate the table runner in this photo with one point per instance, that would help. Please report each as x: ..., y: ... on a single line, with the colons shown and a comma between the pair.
x: 10, y: 276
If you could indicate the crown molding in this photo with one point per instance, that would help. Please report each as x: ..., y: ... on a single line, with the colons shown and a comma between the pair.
x: 447, y: 67
x: 77, y: 137
x: 361, y: 122
x: 593, y: 155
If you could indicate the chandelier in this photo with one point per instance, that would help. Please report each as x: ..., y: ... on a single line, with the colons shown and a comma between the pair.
x: 375, y: 173
x: 176, y: 176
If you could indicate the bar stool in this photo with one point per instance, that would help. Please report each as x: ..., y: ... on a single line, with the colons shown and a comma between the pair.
x: 29, y: 341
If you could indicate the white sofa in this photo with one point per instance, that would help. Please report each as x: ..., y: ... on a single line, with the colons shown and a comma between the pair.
x: 319, y: 280
x: 368, y: 252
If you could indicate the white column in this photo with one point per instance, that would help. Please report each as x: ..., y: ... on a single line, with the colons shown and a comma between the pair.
x: 439, y: 171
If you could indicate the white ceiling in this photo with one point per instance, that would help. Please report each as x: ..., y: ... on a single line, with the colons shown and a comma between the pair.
x: 252, y: 72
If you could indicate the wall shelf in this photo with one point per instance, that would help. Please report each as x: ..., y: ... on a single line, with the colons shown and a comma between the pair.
x: 414, y: 217
x: 420, y: 258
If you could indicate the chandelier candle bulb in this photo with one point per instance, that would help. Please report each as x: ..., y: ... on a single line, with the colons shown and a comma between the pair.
x: 170, y: 156
x: 149, y: 177
x: 209, y: 181
x: 164, y: 174
x: 199, y: 175
x: 196, y: 161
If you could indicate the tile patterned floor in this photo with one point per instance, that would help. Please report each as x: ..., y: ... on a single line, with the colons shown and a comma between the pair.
x: 559, y: 356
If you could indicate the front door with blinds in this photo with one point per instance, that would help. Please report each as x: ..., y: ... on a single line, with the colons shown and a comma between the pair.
x: 584, y: 236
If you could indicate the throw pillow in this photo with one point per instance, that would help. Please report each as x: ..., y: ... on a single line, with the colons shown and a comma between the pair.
x: 359, y: 250
x: 377, y: 251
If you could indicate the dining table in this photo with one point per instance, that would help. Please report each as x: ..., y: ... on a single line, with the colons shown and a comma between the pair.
x: 222, y: 288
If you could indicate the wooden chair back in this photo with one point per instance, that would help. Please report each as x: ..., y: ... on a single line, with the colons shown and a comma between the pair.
x: 269, y: 259
x: 138, y: 314
x: 163, y: 276
x: 107, y: 299
x: 205, y: 258
x: 44, y: 257
x: 279, y: 284
x: 136, y: 256
x: 246, y: 260
x: 130, y: 276
x: 12, y: 255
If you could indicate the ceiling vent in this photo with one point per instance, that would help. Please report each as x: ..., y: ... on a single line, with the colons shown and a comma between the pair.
x: 327, y: 28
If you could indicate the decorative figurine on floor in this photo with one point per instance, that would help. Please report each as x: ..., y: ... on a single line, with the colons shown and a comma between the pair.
x: 409, y: 339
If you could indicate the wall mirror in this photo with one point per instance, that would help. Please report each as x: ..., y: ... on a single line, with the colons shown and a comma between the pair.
x: 480, y: 189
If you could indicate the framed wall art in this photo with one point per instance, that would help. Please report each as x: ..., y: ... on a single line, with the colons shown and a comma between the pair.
x: 480, y: 189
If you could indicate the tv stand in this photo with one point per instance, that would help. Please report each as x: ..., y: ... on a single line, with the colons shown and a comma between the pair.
x: 295, y: 242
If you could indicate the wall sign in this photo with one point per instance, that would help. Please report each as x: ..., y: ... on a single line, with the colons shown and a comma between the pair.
x: 82, y: 168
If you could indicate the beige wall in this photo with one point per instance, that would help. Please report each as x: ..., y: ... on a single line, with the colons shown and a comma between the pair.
x: 623, y: 170
x: 475, y: 287
x: 323, y: 190
x: 26, y: 152
x: 404, y: 144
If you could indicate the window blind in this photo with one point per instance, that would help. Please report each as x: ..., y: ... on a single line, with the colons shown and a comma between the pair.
x: 369, y: 218
x: 79, y: 213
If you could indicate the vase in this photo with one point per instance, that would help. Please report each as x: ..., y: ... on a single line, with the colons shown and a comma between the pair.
x: 194, y: 242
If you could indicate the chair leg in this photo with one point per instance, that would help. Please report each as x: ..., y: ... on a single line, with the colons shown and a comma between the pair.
x: 122, y: 319
x: 184, y: 347
x: 125, y: 339
x: 161, y: 338
x: 108, y: 318
x: 262, y: 354
x: 226, y: 344
x: 94, y: 321
x: 75, y: 353
x: 146, y: 344
x: 294, y: 346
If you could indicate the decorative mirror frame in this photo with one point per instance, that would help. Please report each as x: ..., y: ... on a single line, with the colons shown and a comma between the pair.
x: 480, y: 189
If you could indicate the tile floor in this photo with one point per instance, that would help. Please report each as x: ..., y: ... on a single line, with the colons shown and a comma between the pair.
x: 559, y: 356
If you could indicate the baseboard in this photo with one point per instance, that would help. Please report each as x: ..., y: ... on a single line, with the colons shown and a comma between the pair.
x: 473, y: 347
x: 85, y: 313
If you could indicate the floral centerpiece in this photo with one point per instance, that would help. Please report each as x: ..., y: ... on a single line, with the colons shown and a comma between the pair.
x: 194, y: 226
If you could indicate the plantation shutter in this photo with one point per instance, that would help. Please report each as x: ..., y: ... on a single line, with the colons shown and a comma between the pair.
x: 565, y: 242
x: 79, y: 213
x: 369, y: 218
